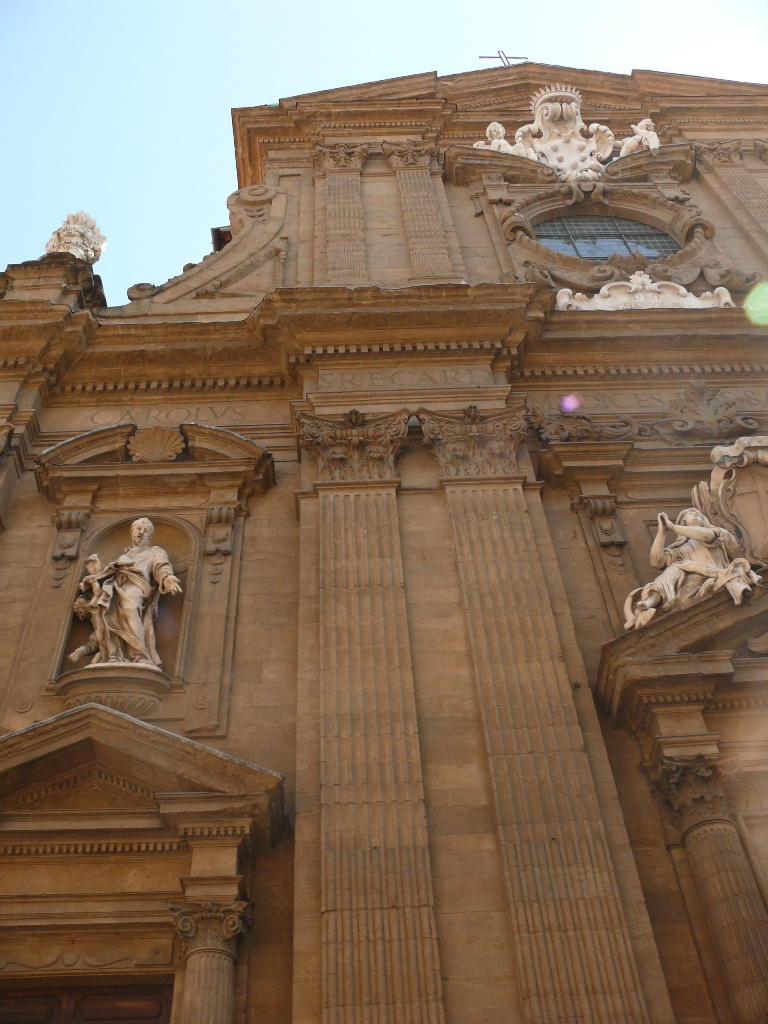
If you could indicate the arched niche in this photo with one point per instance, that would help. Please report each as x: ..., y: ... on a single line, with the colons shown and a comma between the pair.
x: 194, y: 482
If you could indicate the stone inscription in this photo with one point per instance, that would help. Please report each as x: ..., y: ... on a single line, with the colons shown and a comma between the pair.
x: 148, y: 416
x: 406, y: 379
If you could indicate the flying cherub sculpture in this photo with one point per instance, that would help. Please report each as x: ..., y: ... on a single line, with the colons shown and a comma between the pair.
x: 700, y: 561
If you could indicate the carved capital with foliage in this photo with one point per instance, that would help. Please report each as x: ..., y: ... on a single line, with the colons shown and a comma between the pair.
x: 472, y: 444
x: 344, y: 156
x: 210, y: 927
x: 410, y: 154
x: 356, y: 448
x: 692, y: 789
x: 719, y: 154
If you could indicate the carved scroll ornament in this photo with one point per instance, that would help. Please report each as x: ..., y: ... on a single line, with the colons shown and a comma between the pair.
x: 641, y: 292
x: 473, y: 444
x: 210, y: 925
x: 356, y: 447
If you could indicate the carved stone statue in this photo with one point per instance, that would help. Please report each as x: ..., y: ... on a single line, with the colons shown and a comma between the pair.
x: 556, y: 136
x: 496, y: 136
x: 700, y: 561
x: 80, y: 235
x: 121, y: 600
x: 645, y: 137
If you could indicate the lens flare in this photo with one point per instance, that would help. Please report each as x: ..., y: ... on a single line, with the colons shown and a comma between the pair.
x: 756, y: 305
x: 570, y: 403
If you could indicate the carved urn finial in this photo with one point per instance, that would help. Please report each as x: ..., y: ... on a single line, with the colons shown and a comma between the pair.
x: 80, y: 235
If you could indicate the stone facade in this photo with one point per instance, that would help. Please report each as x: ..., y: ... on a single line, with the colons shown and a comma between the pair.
x: 357, y: 733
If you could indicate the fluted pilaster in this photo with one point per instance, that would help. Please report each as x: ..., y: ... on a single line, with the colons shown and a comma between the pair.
x: 380, y: 960
x: 210, y: 931
x: 345, y: 235
x: 575, y: 961
x: 736, y: 914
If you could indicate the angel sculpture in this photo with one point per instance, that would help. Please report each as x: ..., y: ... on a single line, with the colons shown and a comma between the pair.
x: 645, y: 137
x: 495, y: 133
x: 700, y: 561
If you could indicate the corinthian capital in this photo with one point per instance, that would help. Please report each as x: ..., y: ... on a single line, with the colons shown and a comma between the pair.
x: 342, y: 156
x: 210, y: 926
x: 692, y: 790
x: 470, y: 444
x: 719, y: 154
x: 410, y: 154
x: 356, y: 447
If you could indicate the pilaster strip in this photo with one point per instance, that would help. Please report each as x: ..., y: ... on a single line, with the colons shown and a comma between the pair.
x: 380, y: 958
x: 345, y: 245
x: 574, y: 957
x: 427, y: 244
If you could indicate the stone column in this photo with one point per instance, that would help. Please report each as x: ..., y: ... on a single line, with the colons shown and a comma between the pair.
x: 427, y: 244
x: 345, y: 237
x: 735, y: 911
x: 574, y: 957
x: 210, y: 931
x: 380, y: 959
x: 724, y: 161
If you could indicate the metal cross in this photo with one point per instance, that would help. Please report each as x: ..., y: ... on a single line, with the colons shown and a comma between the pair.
x: 505, y: 60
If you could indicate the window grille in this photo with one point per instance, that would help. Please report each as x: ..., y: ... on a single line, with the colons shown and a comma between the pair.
x: 597, y: 238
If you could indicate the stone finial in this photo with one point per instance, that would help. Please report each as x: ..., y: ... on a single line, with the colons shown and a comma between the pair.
x: 80, y: 235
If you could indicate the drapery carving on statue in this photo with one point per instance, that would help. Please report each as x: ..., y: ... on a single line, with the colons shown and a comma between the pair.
x: 121, y: 601
x: 641, y: 292
x: 693, y: 789
x: 645, y: 137
x: 210, y: 925
x: 256, y: 216
x: 702, y: 560
x: 700, y: 413
x: 357, y: 447
x: 473, y: 444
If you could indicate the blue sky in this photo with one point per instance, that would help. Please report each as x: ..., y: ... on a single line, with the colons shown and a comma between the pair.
x: 123, y: 109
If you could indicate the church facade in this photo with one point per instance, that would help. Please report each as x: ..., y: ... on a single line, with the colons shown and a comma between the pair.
x: 385, y: 638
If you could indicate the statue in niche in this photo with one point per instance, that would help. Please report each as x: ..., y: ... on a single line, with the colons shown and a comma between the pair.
x: 495, y: 133
x: 700, y: 561
x: 645, y: 137
x: 121, y: 600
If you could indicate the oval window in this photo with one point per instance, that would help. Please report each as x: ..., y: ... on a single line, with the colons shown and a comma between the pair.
x: 598, y: 238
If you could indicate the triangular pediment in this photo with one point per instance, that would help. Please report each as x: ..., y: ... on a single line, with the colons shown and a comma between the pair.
x: 95, y: 758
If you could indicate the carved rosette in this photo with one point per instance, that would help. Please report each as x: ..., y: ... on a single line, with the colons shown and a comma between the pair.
x: 472, y: 444
x: 344, y: 156
x: 692, y: 790
x: 210, y: 927
x: 357, y: 448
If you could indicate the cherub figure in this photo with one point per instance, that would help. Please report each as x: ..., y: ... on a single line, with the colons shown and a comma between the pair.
x: 645, y: 137
x: 700, y: 561
x: 84, y: 607
x: 495, y: 133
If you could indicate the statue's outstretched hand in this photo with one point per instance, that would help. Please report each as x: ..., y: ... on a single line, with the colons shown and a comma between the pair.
x: 170, y: 585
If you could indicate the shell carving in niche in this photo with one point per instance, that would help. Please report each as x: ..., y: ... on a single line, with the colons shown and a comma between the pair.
x: 156, y: 444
